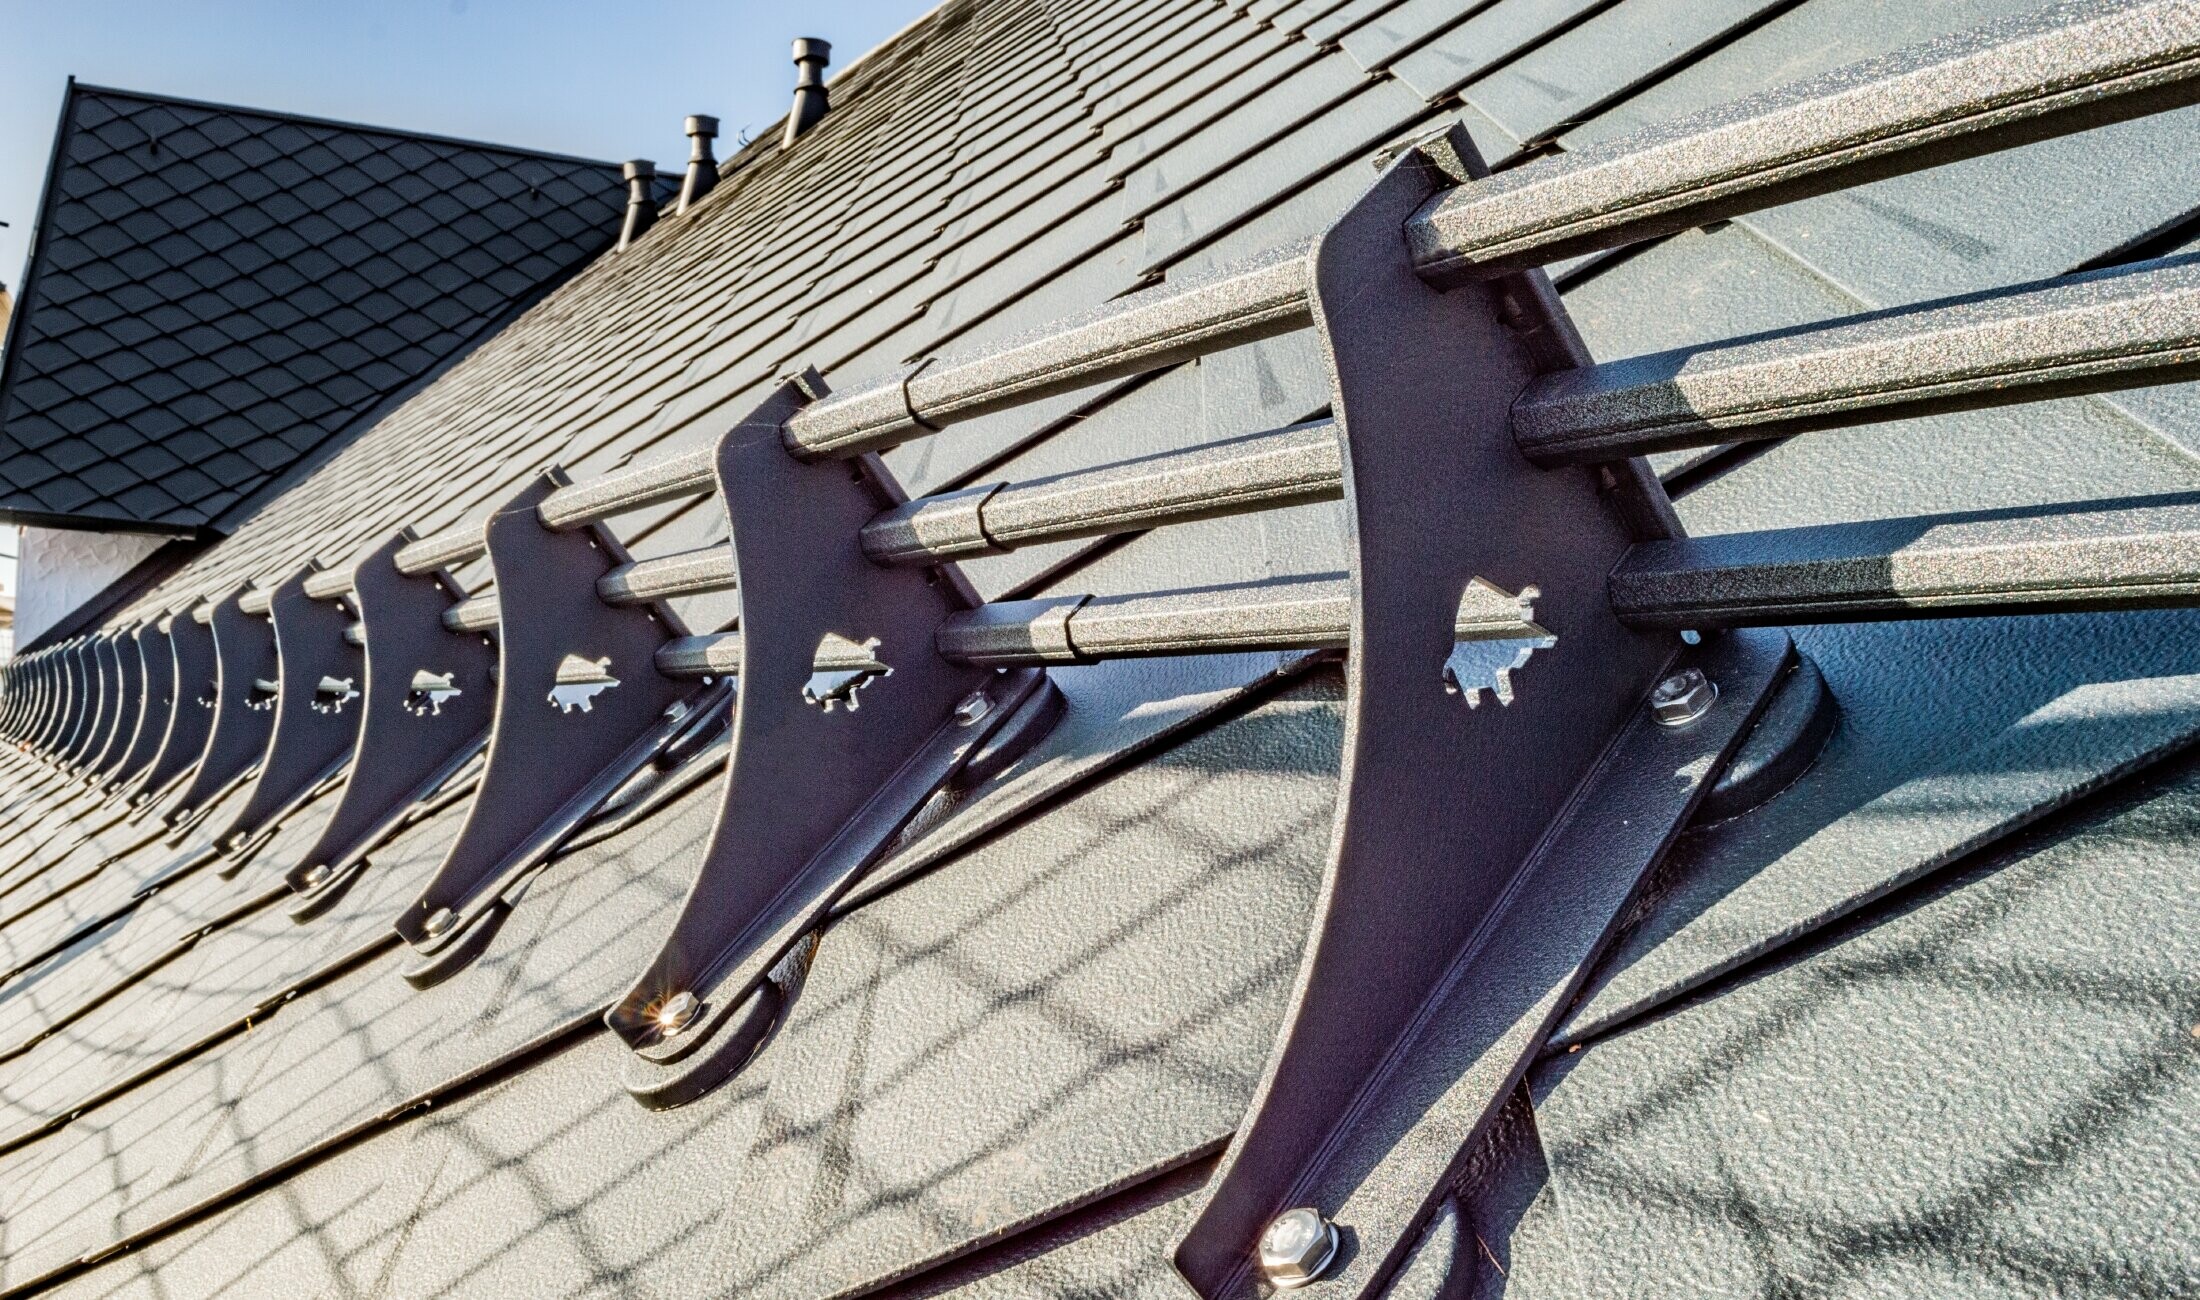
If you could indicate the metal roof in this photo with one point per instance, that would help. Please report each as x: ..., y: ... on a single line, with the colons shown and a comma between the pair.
x: 1094, y: 619
x: 215, y: 294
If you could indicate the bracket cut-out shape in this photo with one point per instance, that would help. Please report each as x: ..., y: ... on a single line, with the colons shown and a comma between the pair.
x: 580, y: 681
x: 428, y: 692
x: 1478, y: 664
x: 841, y: 668
x: 263, y: 695
x: 333, y: 694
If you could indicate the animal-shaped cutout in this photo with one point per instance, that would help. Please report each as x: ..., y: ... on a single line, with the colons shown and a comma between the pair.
x: 333, y: 694
x: 429, y: 690
x: 841, y: 667
x: 1476, y: 664
x: 262, y: 695
x: 580, y: 681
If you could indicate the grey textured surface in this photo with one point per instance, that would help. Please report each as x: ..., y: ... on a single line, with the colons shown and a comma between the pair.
x: 1963, y: 1093
x: 216, y: 293
x: 1066, y: 983
x: 1075, y: 1005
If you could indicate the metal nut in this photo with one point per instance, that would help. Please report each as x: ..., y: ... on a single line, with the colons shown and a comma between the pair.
x: 1297, y: 1246
x: 974, y: 706
x: 438, y: 921
x: 1682, y: 698
x: 676, y: 1011
x: 317, y: 874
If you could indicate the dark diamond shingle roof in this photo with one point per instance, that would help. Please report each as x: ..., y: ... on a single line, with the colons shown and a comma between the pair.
x: 216, y: 293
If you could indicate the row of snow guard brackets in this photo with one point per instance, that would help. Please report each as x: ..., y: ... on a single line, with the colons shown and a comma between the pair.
x: 43, y: 694
x: 157, y: 655
x: 596, y: 678
x: 245, y: 689
x: 194, y: 690
x: 428, y: 692
x: 316, y: 708
x: 580, y: 707
x: 1495, y: 815
x: 86, y: 703
x: 1446, y: 514
x: 1484, y: 812
x: 128, y: 714
x: 848, y: 719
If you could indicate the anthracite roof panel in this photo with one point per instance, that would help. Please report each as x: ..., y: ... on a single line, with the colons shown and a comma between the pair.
x: 1019, y: 1046
x: 2010, y: 1105
x: 221, y: 232
x: 1564, y: 80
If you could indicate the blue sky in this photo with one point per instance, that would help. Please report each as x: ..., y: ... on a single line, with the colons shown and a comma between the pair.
x: 601, y: 80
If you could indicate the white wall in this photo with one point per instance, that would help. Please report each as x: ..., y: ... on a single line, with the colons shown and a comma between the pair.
x: 7, y: 590
x: 57, y: 570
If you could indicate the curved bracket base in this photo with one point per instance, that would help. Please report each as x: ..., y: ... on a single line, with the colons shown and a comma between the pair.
x: 580, y: 707
x: 827, y: 768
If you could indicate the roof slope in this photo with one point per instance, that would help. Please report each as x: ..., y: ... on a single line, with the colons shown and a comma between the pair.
x: 217, y: 293
x: 1922, y: 1024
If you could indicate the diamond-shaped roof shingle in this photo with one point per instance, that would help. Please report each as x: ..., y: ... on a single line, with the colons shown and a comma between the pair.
x: 216, y: 293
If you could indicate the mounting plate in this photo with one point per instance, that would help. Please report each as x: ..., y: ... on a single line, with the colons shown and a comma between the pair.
x: 316, y: 708
x: 430, y: 693
x: 826, y: 769
x: 194, y: 671
x: 580, y: 707
x: 243, y: 706
x: 1458, y: 830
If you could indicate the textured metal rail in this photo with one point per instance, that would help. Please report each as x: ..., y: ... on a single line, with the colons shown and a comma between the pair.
x: 1292, y: 614
x: 2112, y: 329
x: 1146, y: 331
x: 442, y: 551
x: 474, y: 614
x: 1262, y: 472
x: 684, y: 475
x: 2066, y: 68
x: 2041, y: 561
x: 674, y: 477
x: 329, y: 584
x: 687, y: 573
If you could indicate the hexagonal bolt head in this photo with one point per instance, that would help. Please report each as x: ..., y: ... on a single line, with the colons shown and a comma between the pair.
x: 1296, y: 1248
x: 676, y: 1011
x: 974, y: 706
x: 1682, y: 698
x: 438, y: 921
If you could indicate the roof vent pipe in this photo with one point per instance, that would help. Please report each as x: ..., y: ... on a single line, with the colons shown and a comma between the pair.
x: 641, y: 208
x: 702, y: 171
x: 810, y: 56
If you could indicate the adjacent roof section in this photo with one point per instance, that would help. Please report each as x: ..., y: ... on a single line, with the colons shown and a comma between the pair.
x: 215, y: 292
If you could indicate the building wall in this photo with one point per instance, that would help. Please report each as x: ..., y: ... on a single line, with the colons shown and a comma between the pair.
x: 58, y: 570
x: 7, y: 590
